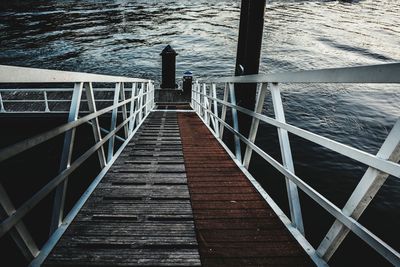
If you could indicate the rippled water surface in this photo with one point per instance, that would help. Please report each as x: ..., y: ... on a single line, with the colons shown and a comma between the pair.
x: 126, y: 37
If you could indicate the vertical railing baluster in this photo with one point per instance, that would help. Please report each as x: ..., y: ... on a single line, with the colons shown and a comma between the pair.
x: 2, y: 109
x: 152, y: 86
x: 60, y: 192
x: 153, y: 94
x: 209, y: 108
x: 114, y: 117
x: 141, y: 102
x: 144, y: 99
x: 124, y: 111
x: 199, y: 99
x: 193, y: 95
x: 214, y: 95
x: 132, y: 106
x: 254, y: 123
x: 196, y: 105
x: 95, y: 122
x: 223, y: 111
x: 205, y: 101
x: 138, y: 103
x: 46, y: 103
x: 293, y: 195
x: 238, y: 151
x: 150, y: 97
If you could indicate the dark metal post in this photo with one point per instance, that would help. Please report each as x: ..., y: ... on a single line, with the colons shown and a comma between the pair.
x: 248, y: 55
x: 168, y: 67
x: 187, y: 84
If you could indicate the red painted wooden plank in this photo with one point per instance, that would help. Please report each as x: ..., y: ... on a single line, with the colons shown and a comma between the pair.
x: 235, y: 226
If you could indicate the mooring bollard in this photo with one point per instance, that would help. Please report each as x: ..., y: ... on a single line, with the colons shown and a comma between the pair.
x: 187, y: 84
x: 168, y: 68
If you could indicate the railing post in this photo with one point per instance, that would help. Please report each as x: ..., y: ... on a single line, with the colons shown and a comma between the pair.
x: 61, y: 189
x: 1, y: 104
x: 254, y: 124
x: 124, y: 111
x: 46, y: 102
x: 193, y: 95
x: 145, y: 94
x: 150, y: 97
x: 153, y: 95
x: 196, y: 97
x: 210, y: 103
x: 114, y: 116
x: 293, y: 195
x: 141, y: 98
x: 214, y: 95
x: 132, y: 108
x: 138, y: 103
x: 363, y: 194
x: 238, y: 151
x: 19, y: 233
x: 95, y: 122
x: 205, y: 100
x: 199, y: 99
x: 223, y: 111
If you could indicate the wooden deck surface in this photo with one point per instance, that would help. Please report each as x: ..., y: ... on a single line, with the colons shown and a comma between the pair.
x: 140, y: 214
x: 144, y: 213
x: 235, y: 226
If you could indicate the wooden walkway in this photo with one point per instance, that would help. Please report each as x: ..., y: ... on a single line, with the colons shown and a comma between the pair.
x: 235, y: 226
x: 144, y: 214
x: 140, y: 214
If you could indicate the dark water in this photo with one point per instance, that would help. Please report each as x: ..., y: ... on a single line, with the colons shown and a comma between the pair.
x: 125, y: 38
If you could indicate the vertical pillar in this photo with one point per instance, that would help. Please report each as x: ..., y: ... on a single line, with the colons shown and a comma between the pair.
x: 248, y: 55
x: 287, y: 160
x: 168, y: 68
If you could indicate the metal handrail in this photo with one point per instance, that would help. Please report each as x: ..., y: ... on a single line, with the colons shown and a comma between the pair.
x: 208, y: 106
x: 25, y: 94
x: 383, y: 73
x: 134, y: 111
x: 353, y: 153
x: 12, y: 74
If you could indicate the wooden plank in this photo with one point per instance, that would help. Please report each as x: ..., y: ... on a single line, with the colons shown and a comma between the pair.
x: 235, y: 227
x: 172, y: 196
x: 140, y: 214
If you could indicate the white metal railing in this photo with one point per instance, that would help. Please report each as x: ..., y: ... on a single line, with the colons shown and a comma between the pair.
x: 39, y: 100
x: 135, y: 109
x: 45, y: 100
x: 206, y: 104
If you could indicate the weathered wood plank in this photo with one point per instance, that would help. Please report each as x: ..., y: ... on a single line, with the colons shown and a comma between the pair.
x: 235, y: 227
x: 140, y: 214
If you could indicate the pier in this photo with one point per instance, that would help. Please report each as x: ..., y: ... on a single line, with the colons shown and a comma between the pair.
x: 167, y: 187
x: 171, y: 191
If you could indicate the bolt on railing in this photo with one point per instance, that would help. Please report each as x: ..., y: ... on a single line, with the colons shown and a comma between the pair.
x: 382, y: 165
x: 140, y: 103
